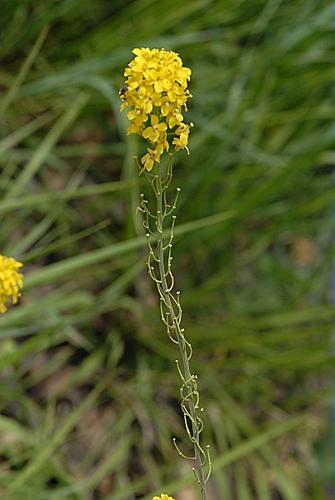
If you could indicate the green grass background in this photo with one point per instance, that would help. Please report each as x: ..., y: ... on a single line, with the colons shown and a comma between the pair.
x: 88, y: 386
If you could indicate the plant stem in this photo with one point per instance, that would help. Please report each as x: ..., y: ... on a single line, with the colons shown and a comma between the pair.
x: 192, y: 398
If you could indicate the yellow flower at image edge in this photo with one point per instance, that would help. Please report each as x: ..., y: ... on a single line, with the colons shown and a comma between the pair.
x: 11, y: 281
x: 163, y: 497
x: 156, y: 94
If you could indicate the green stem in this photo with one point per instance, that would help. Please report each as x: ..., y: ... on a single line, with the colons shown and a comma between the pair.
x: 192, y: 399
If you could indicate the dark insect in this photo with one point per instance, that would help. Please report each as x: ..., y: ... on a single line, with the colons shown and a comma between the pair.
x: 122, y: 92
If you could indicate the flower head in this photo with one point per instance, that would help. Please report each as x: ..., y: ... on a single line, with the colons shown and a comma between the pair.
x: 156, y: 94
x: 11, y: 281
x: 163, y: 496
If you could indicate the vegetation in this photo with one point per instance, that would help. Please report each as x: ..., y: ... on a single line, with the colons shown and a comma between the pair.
x: 88, y: 380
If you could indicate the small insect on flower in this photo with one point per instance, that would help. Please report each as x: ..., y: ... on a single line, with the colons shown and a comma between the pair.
x: 122, y: 92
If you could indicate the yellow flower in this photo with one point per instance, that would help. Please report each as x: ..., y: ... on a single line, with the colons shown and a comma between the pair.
x: 163, y: 496
x: 156, y: 131
x: 174, y: 118
x: 183, y: 133
x: 152, y: 156
x: 11, y: 281
x: 156, y: 90
x: 137, y: 116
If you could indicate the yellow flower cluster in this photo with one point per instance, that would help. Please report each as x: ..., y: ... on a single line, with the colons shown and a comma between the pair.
x: 163, y: 497
x: 11, y: 281
x: 156, y: 93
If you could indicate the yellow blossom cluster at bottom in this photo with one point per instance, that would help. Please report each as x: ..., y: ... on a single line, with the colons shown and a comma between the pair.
x: 163, y: 496
x: 11, y: 281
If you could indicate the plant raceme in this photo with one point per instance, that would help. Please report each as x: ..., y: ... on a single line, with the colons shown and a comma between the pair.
x: 156, y: 94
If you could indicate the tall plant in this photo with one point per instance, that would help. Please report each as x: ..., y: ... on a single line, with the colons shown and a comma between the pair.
x: 156, y: 94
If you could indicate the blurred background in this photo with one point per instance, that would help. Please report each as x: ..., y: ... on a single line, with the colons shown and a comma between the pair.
x: 88, y: 385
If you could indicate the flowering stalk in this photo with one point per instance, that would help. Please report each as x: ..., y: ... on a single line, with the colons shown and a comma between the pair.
x: 156, y: 90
